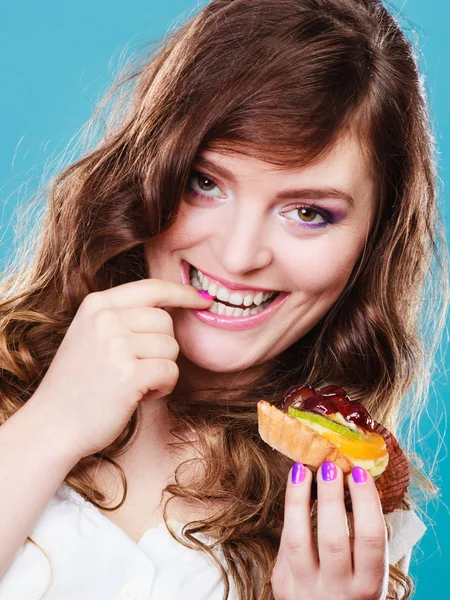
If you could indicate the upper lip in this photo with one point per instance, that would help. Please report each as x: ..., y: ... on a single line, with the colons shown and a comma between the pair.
x: 234, y: 286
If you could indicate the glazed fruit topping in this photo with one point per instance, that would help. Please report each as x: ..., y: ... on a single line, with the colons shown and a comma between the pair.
x: 325, y: 422
x: 326, y: 401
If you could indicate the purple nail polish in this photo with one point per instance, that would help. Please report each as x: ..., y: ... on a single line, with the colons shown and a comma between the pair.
x: 298, y: 473
x: 205, y: 294
x: 359, y: 475
x: 329, y: 471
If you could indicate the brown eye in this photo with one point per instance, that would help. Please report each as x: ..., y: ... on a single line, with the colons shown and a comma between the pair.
x: 208, y: 184
x: 306, y: 214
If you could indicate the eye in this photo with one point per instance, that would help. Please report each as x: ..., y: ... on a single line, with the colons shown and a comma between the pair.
x: 201, y: 185
x: 310, y: 216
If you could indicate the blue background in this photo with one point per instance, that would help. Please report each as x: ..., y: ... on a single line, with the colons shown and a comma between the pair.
x: 57, y: 57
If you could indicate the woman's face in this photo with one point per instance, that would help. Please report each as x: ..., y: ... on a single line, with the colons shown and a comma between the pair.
x: 246, y: 224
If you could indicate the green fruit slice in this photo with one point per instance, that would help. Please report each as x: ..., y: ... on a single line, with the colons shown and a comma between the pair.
x: 324, y: 422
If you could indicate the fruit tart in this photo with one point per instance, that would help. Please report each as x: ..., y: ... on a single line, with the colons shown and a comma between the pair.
x: 313, y: 426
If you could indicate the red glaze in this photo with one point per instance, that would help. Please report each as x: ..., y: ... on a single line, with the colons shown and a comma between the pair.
x: 326, y: 401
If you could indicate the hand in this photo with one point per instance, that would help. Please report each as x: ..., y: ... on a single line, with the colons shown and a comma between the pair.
x: 302, y: 573
x: 119, y: 347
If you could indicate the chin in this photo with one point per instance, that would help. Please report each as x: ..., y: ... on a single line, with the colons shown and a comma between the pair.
x: 217, y: 360
x: 217, y: 364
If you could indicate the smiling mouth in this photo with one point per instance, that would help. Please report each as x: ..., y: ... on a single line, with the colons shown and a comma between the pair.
x: 233, y: 303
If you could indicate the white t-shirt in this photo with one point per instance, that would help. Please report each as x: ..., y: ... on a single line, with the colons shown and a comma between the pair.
x: 94, y: 559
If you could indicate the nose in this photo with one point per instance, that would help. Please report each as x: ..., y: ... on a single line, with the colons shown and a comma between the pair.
x: 244, y: 242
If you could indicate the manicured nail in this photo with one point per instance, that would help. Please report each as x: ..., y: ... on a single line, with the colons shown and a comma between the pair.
x: 329, y: 471
x: 205, y: 294
x: 298, y: 473
x: 359, y: 475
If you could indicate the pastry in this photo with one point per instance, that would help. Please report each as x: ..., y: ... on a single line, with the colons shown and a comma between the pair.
x: 313, y: 426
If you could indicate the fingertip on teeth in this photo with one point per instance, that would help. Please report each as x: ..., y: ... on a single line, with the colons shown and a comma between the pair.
x: 205, y: 295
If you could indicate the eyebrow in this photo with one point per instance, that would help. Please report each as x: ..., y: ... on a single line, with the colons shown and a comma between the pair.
x: 300, y: 194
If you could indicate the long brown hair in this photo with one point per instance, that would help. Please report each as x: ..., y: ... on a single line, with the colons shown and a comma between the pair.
x: 283, y: 80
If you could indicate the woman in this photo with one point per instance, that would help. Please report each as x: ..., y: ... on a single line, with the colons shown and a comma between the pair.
x: 276, y: 155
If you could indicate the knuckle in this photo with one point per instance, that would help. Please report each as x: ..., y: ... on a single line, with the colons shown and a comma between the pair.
x: 295, y: 545
x: 170, y: 370
x: 335, y: 545
x: 117, y: 344
x: 92, y: 302
x: 104, y: 319
x: 295, y: 501
x: 328, y: 501
x: 172, y: 346
x: 164, y: 316
x: 375, y: 541
x: 129, y: 371
x: 170, y: 377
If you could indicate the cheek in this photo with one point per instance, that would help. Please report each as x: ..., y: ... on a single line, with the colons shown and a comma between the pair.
x: 190, y: 228
x: 324, y: 267
x: 186, y: 232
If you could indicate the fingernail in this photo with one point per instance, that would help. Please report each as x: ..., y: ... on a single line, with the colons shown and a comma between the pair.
x: 359, y: 475
x: 298, y: 473
x: 205, y: 294
x: 329, y: 471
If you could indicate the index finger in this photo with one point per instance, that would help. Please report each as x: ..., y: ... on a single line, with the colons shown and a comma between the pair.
x: 149, y: 292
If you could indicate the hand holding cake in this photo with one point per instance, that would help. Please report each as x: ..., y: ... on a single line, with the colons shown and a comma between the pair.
x: 358, y: 464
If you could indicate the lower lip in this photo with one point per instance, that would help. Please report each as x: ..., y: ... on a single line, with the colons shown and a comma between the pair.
x: 235, y: 323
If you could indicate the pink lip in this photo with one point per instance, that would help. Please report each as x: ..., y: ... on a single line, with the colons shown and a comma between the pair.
x: 234, y: 323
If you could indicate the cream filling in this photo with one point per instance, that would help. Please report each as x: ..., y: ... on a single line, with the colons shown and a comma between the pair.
x: 338, y: 418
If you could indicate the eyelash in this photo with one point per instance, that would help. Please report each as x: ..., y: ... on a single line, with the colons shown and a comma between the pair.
x: 326, y: 215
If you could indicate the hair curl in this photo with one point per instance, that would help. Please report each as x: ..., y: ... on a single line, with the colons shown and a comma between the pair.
x: 283, y: 80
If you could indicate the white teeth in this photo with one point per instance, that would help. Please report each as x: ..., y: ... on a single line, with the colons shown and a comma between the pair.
x: 221, y: 308
x: 200, y: 281
x: 231, y: 311
x: 196, y: 283
x: 212, y: 290
x: 223, y: 294
x: 258, y: 298
x: 236, y: 298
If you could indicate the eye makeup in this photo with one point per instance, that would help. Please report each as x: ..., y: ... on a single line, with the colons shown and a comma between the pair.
x: 194, y: 192
x: 330, y: 217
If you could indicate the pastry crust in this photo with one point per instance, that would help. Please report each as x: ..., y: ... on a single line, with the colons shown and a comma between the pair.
x: 297, y: 441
